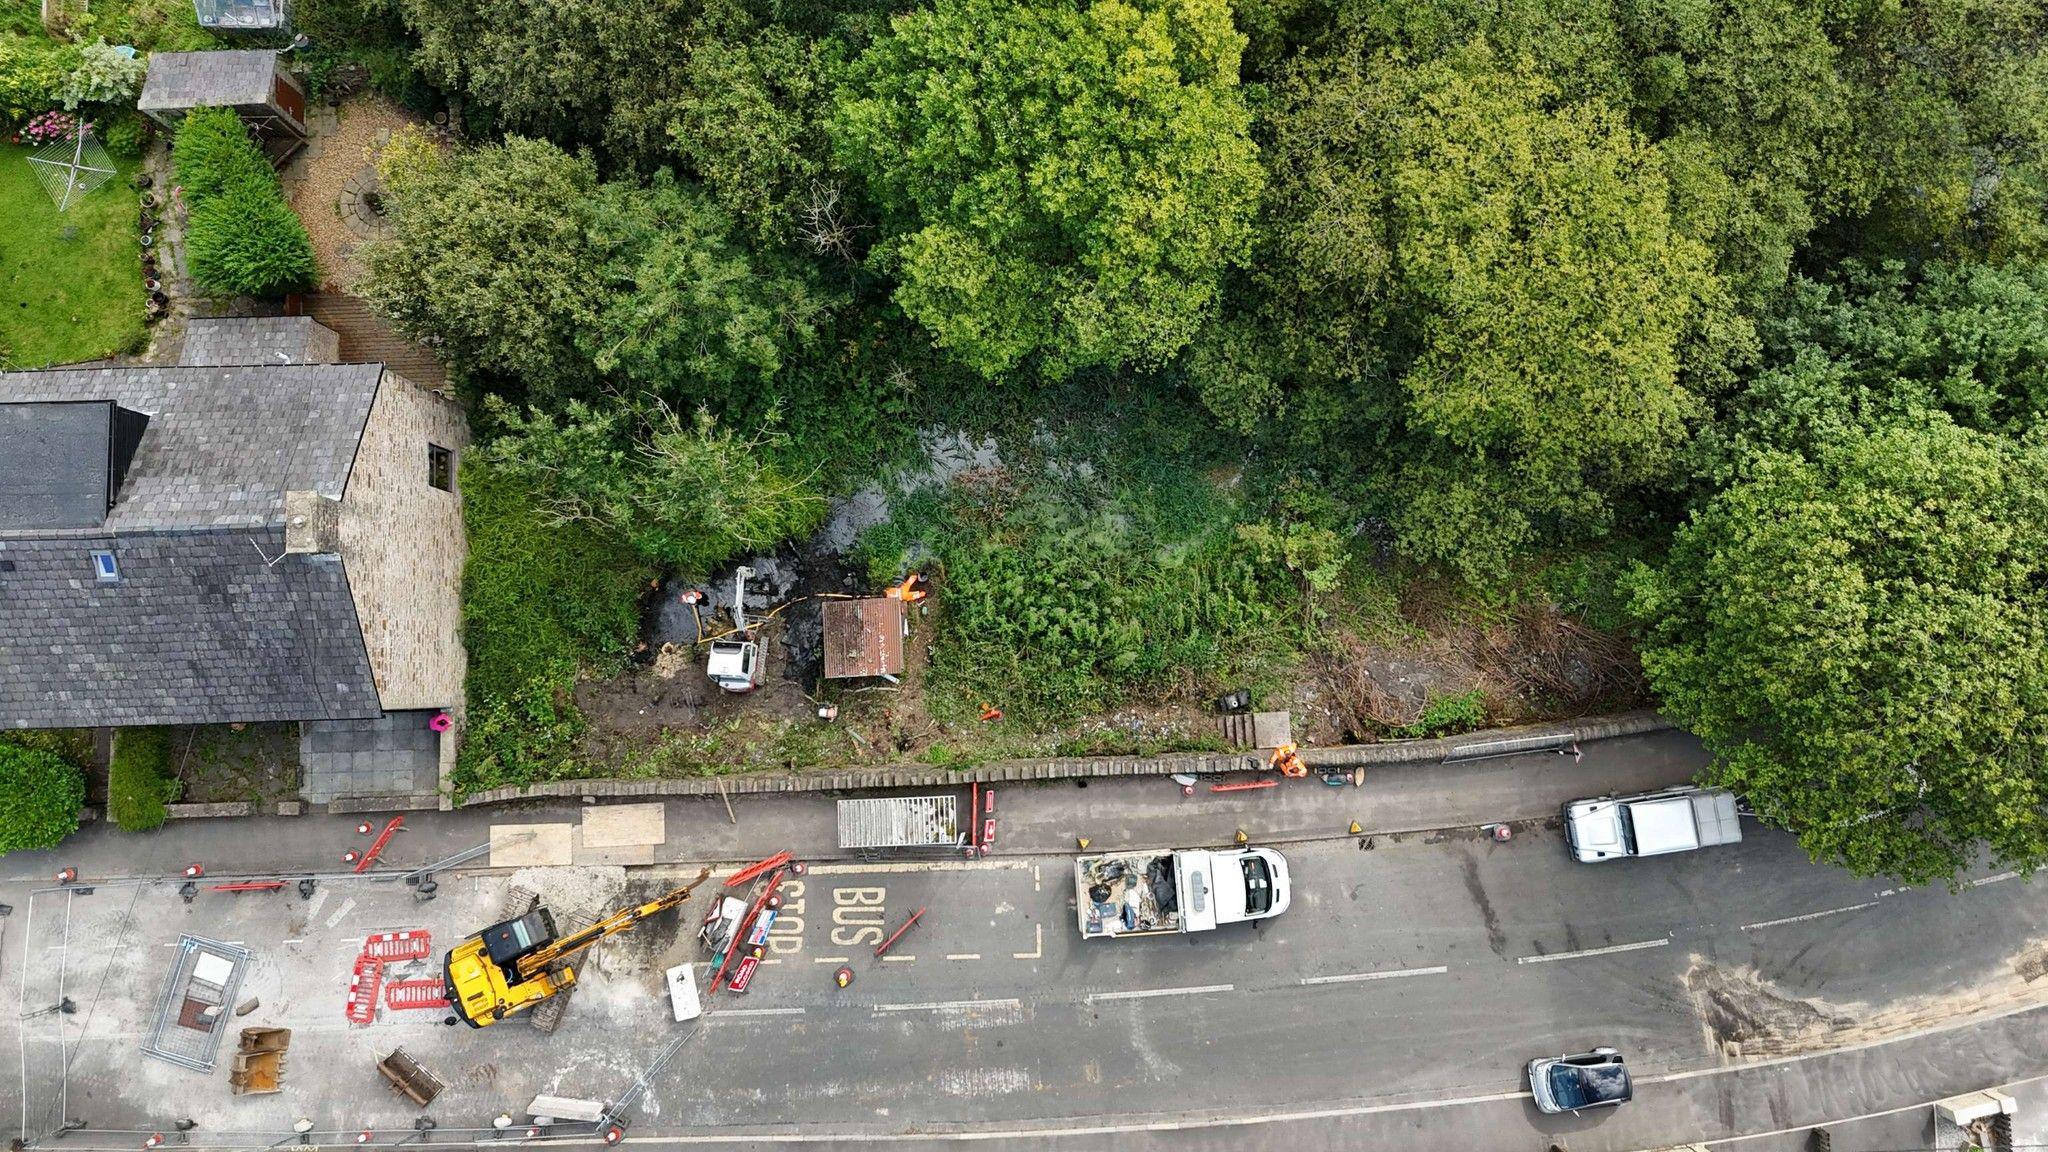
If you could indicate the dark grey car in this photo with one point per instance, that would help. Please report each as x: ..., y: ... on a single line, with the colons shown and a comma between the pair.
x: 1596, y: 1079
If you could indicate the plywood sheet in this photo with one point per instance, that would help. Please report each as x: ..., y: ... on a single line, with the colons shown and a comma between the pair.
x: 530, y: 845
x: 618, y: 825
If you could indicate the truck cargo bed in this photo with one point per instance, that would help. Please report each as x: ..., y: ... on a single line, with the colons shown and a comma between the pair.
x: 1126, y: 894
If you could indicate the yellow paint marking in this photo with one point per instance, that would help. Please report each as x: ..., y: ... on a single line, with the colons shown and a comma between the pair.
x: 1037, y: 934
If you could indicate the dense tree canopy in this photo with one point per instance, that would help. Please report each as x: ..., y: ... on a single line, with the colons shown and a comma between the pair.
x: 1862, y: 639
x: 1061, y: 179
x: 40, y: 796
x: 1511, y: 255
x: 523, y: 266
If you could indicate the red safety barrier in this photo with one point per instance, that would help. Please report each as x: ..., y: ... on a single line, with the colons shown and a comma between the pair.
x: 1245, y: 786
x: 885, y: 945
x: 249, y: 886
x: 391, y: 947
x: 752, y: 870
x: 362, y: 990
x: 403, y: 994
x: 378, y: 844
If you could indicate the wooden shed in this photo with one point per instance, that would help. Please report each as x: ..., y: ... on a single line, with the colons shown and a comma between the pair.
x: 863, y: 638
x: 255, y: 83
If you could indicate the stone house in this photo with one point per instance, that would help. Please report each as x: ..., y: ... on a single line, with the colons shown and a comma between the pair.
x: 258, y: 534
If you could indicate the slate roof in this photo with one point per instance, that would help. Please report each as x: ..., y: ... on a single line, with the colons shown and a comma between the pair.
x: 56, y: 464
x: 201, y: 626
x: 200, y: 629
x: 224, y: 444
x: 258, y: 340
x: 181, y: 80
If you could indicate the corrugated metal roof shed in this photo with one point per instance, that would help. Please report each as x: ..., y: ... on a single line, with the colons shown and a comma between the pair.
x: 863, y: 638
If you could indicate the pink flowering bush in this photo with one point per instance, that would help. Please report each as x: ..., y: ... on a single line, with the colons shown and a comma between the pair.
x: 49, y: 126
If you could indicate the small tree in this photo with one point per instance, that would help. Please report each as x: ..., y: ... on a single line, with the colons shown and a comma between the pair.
x: 40, y: 796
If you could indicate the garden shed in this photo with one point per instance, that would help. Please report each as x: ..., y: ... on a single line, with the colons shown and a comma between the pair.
x: 254, y: 82
x: 863, y: 638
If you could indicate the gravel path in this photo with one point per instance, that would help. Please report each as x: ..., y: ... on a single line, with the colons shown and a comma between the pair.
x: 318, y: 175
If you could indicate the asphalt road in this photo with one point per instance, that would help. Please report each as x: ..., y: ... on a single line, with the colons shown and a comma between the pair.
x: 1396, y: 1001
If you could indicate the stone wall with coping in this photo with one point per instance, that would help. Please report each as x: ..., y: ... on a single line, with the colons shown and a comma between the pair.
x: 1061, y: 768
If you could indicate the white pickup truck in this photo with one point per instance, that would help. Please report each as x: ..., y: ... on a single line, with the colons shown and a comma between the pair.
x: 1652, y: 824
x: 1185, y: 890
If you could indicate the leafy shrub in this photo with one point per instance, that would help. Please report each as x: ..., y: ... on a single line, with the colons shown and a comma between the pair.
x: 139, y: 781
x: 32, y: 74
x: 520, y: 738
x: 241, y: 237
x: 1449, y: 715
x: 123, y: 135
x: 213, y: 153
x: 248, y: 242
x: 40, y: 796
x: 105, y: 75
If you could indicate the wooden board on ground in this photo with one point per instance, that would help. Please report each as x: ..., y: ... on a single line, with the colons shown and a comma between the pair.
x: 582, y: 853
x: 619, y: 825
x: 530, y: 845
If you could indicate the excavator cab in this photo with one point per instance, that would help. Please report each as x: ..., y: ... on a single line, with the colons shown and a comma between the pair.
x: 509, y: 941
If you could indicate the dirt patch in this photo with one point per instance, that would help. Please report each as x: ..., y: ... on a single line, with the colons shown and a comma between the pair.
x: 221, y: 763
x: 1746, y: 1018
x: 1528, y: 665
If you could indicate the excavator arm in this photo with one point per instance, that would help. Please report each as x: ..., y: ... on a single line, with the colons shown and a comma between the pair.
x: 541, y: 959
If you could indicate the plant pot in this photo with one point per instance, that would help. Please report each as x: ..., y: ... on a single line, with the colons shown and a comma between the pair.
x: 144, y: 180
x: 148, y: 198
x: 148, y: 222
x: 153, y: 284
x: 149, y: 239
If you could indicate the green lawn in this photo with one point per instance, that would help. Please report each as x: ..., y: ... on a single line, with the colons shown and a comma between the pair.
x: 70, y: 283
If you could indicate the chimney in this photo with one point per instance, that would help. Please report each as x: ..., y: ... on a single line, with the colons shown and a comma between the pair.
x: 312, y: 523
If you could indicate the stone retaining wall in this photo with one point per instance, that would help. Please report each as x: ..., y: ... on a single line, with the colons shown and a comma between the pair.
x: 1059, y: 768
x: 205, y: 811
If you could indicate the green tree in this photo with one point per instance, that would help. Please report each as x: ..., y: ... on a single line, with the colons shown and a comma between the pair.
x: 40, y: 796
x: 525, y: 268
x: 1061, y: 179
x: 683, y: 309
x: 688, y: 496
x: 1862, y: 641
x: 1484, y: 278
x: 747, y: 124
x: 489, y: 259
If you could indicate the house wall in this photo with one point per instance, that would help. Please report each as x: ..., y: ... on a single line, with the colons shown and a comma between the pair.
x: 402, y: 545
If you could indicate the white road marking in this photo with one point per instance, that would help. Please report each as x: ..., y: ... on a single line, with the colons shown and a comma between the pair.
x: 950, y: 1005
x: 318, y: 902
x: 828, y: 959
x: 1148, y: 993
x: 963, y: 956
x: 346, y: 906
x: 1354, y: 977
x: 1038, y: 935
x: 1584, y: 952
x: 747, y: 1013
x: 897, y: 959
x: 1808, y: 916
x: 921, y: 866
x: 1983, y: 880
x: 1035, y: 878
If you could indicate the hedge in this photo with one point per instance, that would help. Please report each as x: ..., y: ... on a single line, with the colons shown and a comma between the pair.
x: 40, y: 796
x: 139, y: 783
x: 241, y: 238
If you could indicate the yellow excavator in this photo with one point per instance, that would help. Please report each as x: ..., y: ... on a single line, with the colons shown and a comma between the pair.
x: 519, y: 963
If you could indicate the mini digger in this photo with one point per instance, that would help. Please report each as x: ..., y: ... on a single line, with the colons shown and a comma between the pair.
x: 518, y: 964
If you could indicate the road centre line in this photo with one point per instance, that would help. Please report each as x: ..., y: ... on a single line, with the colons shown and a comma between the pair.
x: 1584, y: 952
x: 950, y: 1005
x: 742, y: 1013
x: 1808, y: 916
x: 921, y: 866
x: 898, y: 958
x: 829, y: 959
x: 1983, y: 880
x: 1354, y: 977
x: 1148, y: 993
x: 963, y: 956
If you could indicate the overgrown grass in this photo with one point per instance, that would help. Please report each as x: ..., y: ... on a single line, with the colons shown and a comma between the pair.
x: 139, y: 781
x: 540, y: 602
x: 70, y: 282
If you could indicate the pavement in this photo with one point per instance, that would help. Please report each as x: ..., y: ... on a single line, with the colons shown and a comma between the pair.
x: 1755, y: 993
